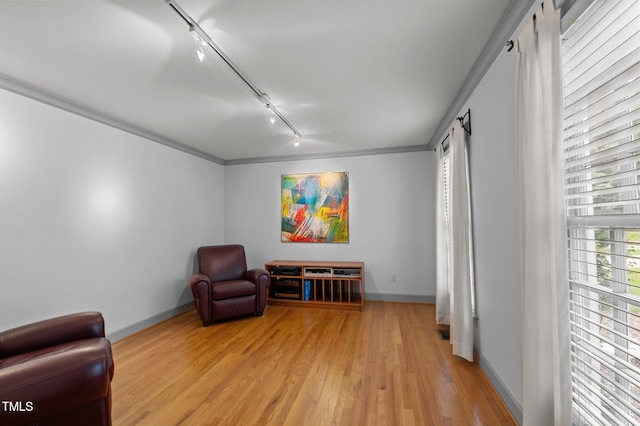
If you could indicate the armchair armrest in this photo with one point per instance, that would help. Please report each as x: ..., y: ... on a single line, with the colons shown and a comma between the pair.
x: 258, y: 276
x: 51, y: 385
x: 200, y: 286
x: 262, y: 279
x: 196, y: 283
x: 51, y: 332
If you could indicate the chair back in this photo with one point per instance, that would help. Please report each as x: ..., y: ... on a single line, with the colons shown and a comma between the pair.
x: 222, y: 263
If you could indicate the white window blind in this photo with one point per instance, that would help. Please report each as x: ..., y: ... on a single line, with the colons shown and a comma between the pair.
x: 445, y: 167
x: 601, y: 60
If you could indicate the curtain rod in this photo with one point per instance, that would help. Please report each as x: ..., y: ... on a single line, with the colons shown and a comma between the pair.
x: 570, y: 10
x: 466, y: 128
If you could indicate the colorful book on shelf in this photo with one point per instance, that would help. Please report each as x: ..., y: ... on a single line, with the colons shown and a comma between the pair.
x: 307, y: 289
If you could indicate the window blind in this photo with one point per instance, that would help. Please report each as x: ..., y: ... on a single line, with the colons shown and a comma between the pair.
x: 445, y: 167
x: 601, y: 66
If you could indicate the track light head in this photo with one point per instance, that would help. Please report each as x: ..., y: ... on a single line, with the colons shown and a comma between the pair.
x: 264, y: 98
x: 204, y: 40
x: 200, y: 51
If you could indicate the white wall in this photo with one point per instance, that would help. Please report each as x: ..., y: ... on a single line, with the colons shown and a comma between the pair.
x: 391, y: 219
x: 94, y: 218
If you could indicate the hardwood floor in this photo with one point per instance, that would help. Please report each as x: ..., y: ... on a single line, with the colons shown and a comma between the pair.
x: 384, y: 366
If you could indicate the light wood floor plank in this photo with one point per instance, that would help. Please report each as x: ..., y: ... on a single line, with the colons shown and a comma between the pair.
x: 385, y: 365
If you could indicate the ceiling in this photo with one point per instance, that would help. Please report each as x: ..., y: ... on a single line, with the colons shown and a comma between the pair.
x: 349, y: 75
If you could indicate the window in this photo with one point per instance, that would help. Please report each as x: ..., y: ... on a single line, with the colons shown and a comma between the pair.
x: 601, y: 66
x: 447, y: 216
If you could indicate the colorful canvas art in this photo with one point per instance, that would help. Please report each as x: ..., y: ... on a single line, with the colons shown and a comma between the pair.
x: 315, y: 208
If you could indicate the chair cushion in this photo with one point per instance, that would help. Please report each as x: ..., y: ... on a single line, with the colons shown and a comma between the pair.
x: 228, y: 289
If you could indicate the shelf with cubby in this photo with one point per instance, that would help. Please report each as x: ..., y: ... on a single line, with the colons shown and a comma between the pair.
x: 316, y: 284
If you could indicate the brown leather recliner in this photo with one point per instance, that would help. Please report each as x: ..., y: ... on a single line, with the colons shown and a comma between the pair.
x: 56, y: 372
x: 224, y: 288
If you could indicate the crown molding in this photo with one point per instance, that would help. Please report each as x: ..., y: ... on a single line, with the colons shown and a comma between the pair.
x: 319, y: 156
x: 29, y: 91
x: 24, y: 89
x: 507, y: 25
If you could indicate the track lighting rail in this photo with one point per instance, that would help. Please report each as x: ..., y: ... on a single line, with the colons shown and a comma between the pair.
x: 204, y: 37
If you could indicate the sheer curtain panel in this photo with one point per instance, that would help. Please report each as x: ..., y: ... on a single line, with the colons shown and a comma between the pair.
x: 461, y: 250
x: 543, y: 246
x: 442, y: 239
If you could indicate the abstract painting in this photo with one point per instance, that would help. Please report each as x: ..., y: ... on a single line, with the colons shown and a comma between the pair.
x: 315, y: 208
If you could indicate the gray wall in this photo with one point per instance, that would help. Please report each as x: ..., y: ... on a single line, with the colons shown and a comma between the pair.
x: 391, y: 218
x: 93, y: 218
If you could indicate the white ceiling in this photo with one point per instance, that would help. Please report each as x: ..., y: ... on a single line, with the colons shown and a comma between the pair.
x: 350, y: 75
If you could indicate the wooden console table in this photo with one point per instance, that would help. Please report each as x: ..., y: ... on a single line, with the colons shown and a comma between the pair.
x: 316, y: 284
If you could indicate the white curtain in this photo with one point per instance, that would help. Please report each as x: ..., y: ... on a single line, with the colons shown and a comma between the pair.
x: 442, y: 242
x: 543, y: 246
x: 461, y: 261
x: 454, y: 274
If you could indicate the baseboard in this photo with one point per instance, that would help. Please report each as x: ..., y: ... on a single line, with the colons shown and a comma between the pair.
x: 379, y: 297
x: 139, y: 326
x: 507, y: 397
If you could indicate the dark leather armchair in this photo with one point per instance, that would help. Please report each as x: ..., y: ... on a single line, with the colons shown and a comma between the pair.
x: 56, y: 372
x: 224, y: 288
